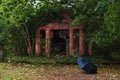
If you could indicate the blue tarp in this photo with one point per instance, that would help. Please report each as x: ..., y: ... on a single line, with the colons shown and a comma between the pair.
x: 82, y: 62
x: 87, y: 65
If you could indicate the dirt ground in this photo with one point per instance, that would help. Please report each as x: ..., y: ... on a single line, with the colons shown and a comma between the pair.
x: 10, y: 71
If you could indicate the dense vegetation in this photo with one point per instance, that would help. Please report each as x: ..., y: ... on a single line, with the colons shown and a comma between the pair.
x: 19, y: 21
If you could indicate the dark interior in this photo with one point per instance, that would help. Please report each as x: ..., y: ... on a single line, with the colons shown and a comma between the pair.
x: 58, y: 44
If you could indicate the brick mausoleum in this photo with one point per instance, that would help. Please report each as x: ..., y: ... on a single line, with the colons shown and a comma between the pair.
x: 53, y: 32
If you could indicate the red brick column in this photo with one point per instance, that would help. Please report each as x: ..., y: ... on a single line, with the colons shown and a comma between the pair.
x: 81, y: 42
x: 71, y: 43
x: 37, y: 47
x: 47, y: 44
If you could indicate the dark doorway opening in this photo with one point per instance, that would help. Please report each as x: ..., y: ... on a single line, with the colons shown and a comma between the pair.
x: 59, y: 41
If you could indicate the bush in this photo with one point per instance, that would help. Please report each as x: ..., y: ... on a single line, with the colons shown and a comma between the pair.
x: 37, y: 60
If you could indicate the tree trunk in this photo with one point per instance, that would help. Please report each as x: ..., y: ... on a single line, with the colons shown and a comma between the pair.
x: 81, y: 43
x: 90, y: 50
x: 28, y: 41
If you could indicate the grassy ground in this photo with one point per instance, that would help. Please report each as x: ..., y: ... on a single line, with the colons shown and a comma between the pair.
x: 22, y: 71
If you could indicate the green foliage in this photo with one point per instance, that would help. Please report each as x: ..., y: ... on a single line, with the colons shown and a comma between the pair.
x: 22, y: 18
x: 85, y: 16
x: 45, y: 14
x: 79, y: 21
x: 106, y: 38
x: 14, y: 15
x: 109, y: 31
x: 36, y: 60
x: 19, y: 21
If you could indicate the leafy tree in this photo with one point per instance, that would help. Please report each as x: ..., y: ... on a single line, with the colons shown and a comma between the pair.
x: 22, y: 18
x: 108, y: 36
x: 15, y: 15
x: 109, y: 30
